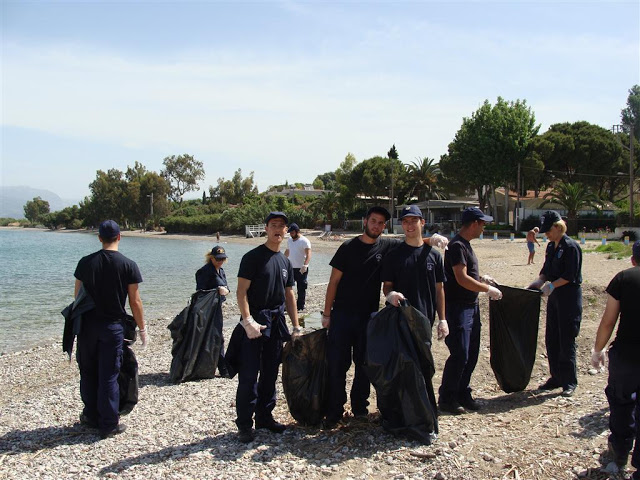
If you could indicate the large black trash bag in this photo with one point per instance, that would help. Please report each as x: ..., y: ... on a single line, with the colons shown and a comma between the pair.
x: 400, y: 366
x: 128, y: 376
x: 196, y: 340
x: 304, y: 377
x: 513, y: 327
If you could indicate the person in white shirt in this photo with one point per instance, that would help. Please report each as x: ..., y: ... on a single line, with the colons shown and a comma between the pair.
x: 299, y: 253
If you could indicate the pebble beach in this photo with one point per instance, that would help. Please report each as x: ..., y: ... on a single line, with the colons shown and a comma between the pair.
x: 187, y: 430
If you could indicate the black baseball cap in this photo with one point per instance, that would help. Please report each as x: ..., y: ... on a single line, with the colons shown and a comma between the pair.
x: 411, y: 211
x: 273, y: 215
x: 472, y: 214
x: 218, y: 252
x: 636, y: 250
x: 547, y: 220
x: 380, y: 210
x: 108, y: 229
x: 293, y: 226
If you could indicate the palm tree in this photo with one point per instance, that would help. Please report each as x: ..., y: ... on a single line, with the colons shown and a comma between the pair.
x: 327, y: 205
x: 423, y: 178
x: 572, y: 196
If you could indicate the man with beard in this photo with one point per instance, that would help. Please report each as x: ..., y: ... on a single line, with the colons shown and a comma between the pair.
x: 353, y: 295
x: 299, y: 254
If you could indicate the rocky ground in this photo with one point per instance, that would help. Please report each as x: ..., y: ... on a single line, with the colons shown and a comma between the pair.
x: 187, y: 430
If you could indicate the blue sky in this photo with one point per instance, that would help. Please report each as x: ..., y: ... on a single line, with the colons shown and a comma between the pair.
x: 287, y: 89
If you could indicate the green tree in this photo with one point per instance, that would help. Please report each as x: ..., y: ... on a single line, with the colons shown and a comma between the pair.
x: 327, y: 206
x: 183, y: 172
x: 110, y: 197
x: 33, y: 209
x: 630, y: 115
x: 422, y: 178
x: 489, y: 146
x: 573, y: 197
x: 234, y: 191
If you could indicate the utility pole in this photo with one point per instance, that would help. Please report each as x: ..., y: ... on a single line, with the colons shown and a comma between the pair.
x: 617, y: 129
x: 516, y: 219
x: 151, y: 203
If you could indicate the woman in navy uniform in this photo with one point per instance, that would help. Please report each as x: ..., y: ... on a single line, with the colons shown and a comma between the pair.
x: 560, y: 280
x: 211, y: 276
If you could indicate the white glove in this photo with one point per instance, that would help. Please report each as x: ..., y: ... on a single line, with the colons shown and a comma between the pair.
x: 303, y: 269
x: 394, y: 298
x: 488, y: 279
x: 223, y: 291
x: 326, y: 321
x: 253, y: 328
x: 144, y: 337
x: 296, y: 333
x: 537, y: 285
x: 547, y: 288
x: 494, y: 293
x: 443, y: 329
x: 439, y: 241
x: 598, y: 359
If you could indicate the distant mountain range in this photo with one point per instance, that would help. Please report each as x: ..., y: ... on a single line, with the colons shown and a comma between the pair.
x: 13, y: 199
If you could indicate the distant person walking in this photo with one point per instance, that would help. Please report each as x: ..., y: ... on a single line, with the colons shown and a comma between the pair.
x: 623, y: 389
x: 299, y: 254
x: 265, y: 281
x: 211, y: 276
x: 108, y: 277
x: 463, y: 313
x: 560, y: 279
x: 531, y: 243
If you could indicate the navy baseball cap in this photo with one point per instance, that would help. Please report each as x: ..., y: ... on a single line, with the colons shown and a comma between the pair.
x: 474, y: 213
x: 411, y: 211
x: 636, y: 250
x: 218, y: 252
x: 547, y: 220
x: 273, y: 215
x: 380, y: 210
x: 108, y: 229
x: 293, y: 226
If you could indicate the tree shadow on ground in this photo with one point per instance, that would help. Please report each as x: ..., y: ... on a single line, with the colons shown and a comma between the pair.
x: 19, y: 441
x: 593, y: 424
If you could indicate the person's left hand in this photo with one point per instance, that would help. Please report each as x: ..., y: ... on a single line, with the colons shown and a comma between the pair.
x: 394, y: 298
x: 303, y: 269
x: 443, y: 329
x: 144, y: 337
x: 296, y: 333
x: 494, y: 293
x: 546, y: 289
x: 326, y: 321
x: 598, y: 359
x: 223, y: 291
x: 488, y: 279
x: 437, y: 240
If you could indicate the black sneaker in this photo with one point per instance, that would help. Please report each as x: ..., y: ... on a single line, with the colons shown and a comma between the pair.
x: 271, y: 425
x: 246, y: 435
x: 618, y: 457
x: 328, y: 424
x: 470, y: 404
x: 568, y: 391
x: 454, y: 408
x: 121, y: 427
x: 85, y: 421
x: 550, y: 384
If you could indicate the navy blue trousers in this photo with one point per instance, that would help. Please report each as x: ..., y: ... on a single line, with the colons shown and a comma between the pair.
x: 463, y: 342
x: 623, y: 393
x: 301, y: 285
x: 261, y: 356
x: 99, y: 357
x: 347, y: 334
x: 564, y: 314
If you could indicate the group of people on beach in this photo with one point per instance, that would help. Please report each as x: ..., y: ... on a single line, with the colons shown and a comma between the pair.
x: 409, y: 270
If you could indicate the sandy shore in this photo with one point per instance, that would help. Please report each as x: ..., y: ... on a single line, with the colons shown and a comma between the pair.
x: 187, y: 430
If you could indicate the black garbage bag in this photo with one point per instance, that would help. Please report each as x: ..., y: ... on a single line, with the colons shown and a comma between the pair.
x: 513, y: 327
x: 196, y: 340
x: 128, y: 380
x: 400, y: 366
x: 304, y: 377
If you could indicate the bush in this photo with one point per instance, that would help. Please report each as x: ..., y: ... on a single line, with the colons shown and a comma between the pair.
x: 530, y: 222
x: 631, y: 234
x: 203, y: 224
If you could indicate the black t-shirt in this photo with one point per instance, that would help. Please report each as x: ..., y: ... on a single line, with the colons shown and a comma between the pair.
x: 270, y: 273
x: 414, y: 272
x: 360, y: 263
x: 625, y: 287
x: 208, y: 278
x: 459, y: 251
x: 564, y: 261
x: 106, y: 276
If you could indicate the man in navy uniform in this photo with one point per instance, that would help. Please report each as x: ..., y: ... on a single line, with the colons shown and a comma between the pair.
x: 109, y: 278
x: 265, y: 288
x: 623, y: 390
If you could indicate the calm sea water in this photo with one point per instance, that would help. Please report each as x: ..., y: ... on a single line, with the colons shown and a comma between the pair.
x: 36, y: 277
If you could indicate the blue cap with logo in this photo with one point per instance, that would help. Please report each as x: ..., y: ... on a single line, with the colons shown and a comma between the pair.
x: 472, y: 214
x: 411, y: 211
x: 547, y: 220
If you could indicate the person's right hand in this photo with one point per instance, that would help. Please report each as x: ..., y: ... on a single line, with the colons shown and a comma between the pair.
x: 488, y: 279
x: 144, y: 337
x: 394, y: 298
x: 598, y: 359
x: 494, y: 293
x: 537, y: 285
x: 223, y: 291
x: 326, y: 320
x: 443, y: 329
x: 252, y: 328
